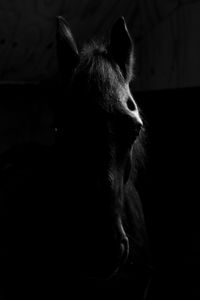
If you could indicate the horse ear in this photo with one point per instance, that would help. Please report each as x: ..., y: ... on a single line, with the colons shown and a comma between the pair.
x: 121, y: 47
x: 67, y: 52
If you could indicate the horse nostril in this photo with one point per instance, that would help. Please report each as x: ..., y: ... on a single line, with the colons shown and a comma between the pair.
x: 131, y: 105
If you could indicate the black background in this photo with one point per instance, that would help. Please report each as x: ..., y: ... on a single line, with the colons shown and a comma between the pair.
x: 169, y: 185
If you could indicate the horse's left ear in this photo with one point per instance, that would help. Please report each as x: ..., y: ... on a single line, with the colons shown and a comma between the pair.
x: 67, y: 52
x: 121, y: 48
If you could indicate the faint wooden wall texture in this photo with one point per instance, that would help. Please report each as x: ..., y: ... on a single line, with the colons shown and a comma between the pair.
x: 165, y: 32
x: 169, y: 53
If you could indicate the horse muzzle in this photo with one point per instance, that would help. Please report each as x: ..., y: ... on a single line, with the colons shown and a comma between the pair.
x: 104, y: 255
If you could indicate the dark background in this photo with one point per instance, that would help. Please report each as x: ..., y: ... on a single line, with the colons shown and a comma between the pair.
x: 166, y: 87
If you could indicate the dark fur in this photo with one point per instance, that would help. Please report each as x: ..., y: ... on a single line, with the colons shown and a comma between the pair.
x: 105, y: 133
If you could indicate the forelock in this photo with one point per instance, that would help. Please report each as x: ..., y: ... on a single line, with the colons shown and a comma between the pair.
x: 101, y: 75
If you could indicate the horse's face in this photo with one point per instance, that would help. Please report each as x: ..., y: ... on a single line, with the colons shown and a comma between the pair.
x: 106, y: 126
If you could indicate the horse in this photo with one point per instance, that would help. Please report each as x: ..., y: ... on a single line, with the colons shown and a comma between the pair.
x: 100, y: 125
x: 74, y: 206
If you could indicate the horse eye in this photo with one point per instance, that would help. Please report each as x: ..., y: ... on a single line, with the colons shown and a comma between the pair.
x: 131, y: 105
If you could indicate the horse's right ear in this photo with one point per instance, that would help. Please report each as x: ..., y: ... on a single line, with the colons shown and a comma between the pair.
x: 67, y: 52
x: 121, y: 47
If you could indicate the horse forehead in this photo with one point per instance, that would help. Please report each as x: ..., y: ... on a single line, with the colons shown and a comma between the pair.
x: 121, y: 94
x: 115, y: 97
x: 124, y: 93
x: 109, y: 92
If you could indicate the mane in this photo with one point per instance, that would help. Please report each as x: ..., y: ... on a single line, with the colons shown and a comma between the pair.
x: 133, y: 216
